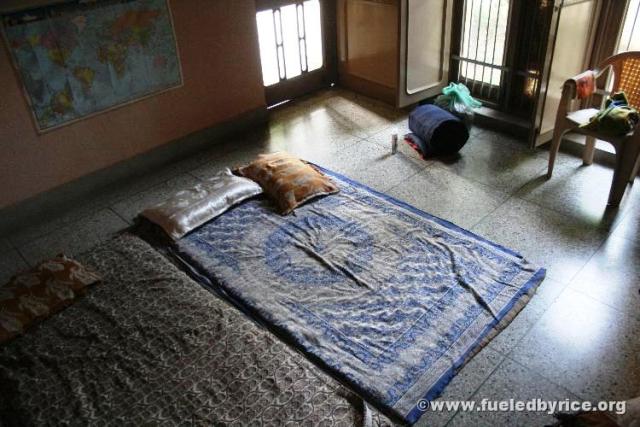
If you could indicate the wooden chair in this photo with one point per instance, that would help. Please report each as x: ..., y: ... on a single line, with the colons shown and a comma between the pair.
x: 626, y: 77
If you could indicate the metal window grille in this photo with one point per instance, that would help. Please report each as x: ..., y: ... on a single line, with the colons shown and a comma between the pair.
x: 483, y: 47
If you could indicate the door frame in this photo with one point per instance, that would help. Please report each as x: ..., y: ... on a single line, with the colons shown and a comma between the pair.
x: 536, y: 136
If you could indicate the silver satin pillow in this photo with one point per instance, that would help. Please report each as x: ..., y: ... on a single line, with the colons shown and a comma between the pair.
x: 190, y: 208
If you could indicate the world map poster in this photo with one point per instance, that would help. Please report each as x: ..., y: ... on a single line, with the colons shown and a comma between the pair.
x: 76, y: 59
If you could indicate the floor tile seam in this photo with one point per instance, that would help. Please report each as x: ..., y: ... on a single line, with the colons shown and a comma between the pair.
x: 475, y: 391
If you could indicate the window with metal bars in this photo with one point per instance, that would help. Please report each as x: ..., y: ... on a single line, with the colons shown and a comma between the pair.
x: 499, y: 50
x: 290, y: 40
x: 483, y: 46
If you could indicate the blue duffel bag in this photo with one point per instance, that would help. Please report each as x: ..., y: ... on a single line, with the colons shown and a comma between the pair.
x: 436, y: 132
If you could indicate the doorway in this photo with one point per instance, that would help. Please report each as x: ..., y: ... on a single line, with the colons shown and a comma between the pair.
x: 296, y: 49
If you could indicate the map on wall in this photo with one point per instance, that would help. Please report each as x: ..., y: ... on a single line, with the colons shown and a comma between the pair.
x: 77, y: 58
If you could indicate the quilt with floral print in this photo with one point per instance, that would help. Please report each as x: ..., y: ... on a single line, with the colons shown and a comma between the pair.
x: 388, y: 298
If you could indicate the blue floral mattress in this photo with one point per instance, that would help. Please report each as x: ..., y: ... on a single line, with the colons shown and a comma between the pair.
x: 389, y: 299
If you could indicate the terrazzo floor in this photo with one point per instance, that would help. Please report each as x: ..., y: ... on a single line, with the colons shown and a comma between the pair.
x: 577, y: 339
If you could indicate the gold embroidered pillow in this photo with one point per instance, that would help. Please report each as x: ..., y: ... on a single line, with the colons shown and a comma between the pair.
x: 287, y: 180
x: 40, y: 292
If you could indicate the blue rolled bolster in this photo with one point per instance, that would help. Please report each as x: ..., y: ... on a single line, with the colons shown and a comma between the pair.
x: 436, y: 131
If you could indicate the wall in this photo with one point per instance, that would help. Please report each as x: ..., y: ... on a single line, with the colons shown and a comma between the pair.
x: 222, y: 79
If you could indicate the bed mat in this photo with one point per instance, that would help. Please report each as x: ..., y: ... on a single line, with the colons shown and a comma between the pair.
x: 150, y: 346
x: 385, y: 297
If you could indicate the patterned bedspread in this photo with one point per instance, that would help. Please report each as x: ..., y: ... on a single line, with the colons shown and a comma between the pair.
x: 386, y: 297
x: 149, y: 346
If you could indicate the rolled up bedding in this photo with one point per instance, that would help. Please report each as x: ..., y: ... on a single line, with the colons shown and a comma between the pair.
x: 436, y: 131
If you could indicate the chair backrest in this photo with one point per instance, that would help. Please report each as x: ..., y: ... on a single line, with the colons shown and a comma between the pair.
x: 626, y: 75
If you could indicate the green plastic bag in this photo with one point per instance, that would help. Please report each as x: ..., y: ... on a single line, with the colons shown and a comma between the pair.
x: 457, y: 99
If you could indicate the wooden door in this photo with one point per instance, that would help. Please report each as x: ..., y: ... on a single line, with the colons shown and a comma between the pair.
x: 424, y: 49
x: 368, y: 47
x: 394, y: 50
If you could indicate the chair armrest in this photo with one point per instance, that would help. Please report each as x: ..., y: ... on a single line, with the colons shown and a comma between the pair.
x: 580, y: 86
x: 569, y: 89
x: 569, y: 94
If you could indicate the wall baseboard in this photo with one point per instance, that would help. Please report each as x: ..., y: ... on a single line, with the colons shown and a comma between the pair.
x: 58, y: 200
